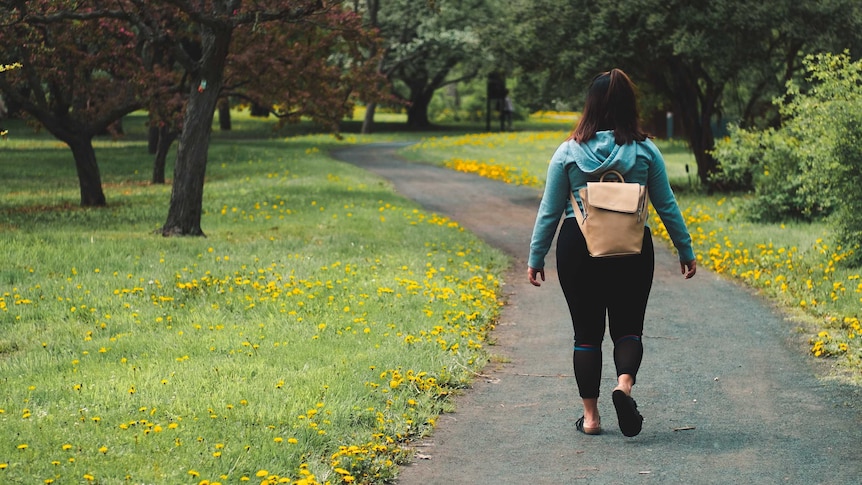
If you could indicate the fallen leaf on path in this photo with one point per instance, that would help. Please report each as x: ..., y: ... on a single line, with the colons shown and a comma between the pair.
x: 423, y: 456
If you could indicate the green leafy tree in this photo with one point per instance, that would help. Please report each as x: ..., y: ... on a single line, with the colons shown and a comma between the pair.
x: 709, y: 60
x: 427, y: 45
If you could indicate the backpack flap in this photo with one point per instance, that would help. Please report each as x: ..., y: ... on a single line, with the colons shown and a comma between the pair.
x: 614, y: 196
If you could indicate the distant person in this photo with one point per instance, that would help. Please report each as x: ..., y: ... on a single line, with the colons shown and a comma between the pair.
x: 507, y: 112
x: 607, y: 137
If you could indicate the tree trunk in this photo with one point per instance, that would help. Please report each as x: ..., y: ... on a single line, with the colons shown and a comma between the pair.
x: 186, y: 207
x: 89, y: 178
x: 152, y: 139
x: 417, y: 112
x: 372, y: 8
x: 696, y: 105
x: 166, y: 138
x: 368, y: 121
x: 224, y: 123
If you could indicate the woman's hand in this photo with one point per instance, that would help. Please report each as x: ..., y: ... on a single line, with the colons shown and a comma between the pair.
x: 532, y: 272
x: 688, y: 269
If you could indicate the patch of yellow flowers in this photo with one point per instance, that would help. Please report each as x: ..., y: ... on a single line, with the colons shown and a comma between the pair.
x: 491, y: 170
x: 9, y: 67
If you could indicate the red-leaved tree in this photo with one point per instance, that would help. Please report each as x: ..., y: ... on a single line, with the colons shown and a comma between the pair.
x: 178, y: 59
x: 76, y: 78
x: 302, y: 57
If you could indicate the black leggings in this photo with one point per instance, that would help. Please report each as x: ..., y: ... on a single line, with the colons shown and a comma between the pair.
x: 595, y: 287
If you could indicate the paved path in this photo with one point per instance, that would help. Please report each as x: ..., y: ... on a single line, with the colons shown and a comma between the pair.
x: 728, y: 393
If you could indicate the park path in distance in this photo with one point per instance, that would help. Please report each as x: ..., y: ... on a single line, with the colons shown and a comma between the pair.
x: 726, y: 388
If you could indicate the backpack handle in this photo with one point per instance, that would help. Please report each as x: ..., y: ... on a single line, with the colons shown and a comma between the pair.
x: 618, y: 175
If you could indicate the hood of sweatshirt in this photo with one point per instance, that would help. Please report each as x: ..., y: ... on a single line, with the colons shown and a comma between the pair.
x: 601, y: 153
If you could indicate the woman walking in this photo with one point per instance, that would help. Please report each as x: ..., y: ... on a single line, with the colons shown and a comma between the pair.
x: 607, y: 137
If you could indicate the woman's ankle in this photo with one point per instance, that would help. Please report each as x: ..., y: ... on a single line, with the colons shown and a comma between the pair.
x: 625, y: 382
x: 591, y: 413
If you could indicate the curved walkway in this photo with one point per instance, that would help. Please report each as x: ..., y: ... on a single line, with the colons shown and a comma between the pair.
x: 726, y: 388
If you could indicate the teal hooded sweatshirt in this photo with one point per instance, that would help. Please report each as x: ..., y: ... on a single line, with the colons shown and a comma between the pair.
x: 574, y: 164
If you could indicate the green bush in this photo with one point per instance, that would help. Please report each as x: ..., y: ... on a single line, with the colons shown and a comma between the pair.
x: 808, y: 168
x: 848, y: 218
x: 769, y: 163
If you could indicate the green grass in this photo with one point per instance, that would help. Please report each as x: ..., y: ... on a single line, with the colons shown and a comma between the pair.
x: 792, y: 263
x: 322, y: 321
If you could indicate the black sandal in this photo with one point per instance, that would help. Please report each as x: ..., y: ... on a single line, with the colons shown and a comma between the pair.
x: 628, y: 416
x: 579, y: 424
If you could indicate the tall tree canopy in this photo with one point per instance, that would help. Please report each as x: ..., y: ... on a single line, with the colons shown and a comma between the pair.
x: 707, y: 59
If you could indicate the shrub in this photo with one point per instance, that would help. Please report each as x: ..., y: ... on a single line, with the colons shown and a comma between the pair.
x: 769, y: 162
x: 807, y: 168
x: 848, y: 218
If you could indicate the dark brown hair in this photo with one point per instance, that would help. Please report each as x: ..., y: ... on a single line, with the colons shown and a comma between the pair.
x: 611, y: 105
